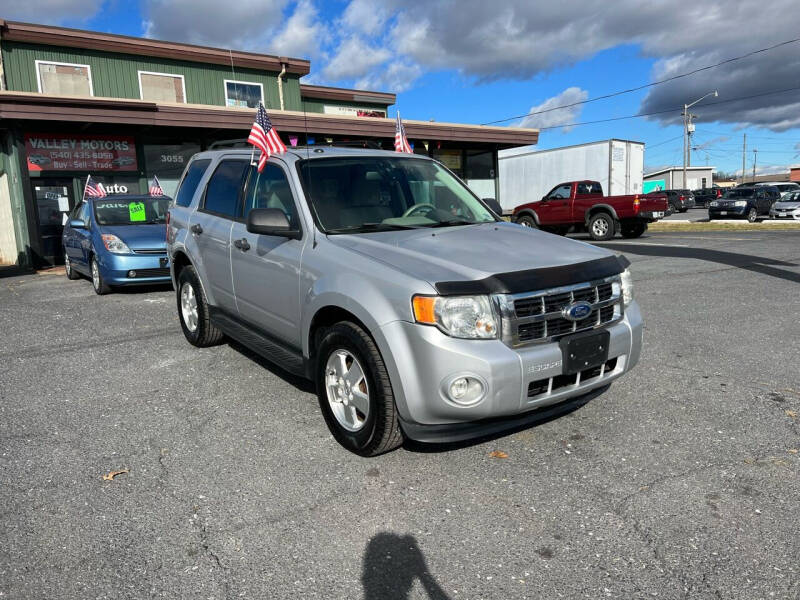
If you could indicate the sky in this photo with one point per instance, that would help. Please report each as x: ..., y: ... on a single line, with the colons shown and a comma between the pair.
x: 472, y: 61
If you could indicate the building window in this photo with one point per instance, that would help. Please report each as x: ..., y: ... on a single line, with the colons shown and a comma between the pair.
x: 243, y: 94
x: 162, y: 87
x: 64, y: 79
x: 704, y: 183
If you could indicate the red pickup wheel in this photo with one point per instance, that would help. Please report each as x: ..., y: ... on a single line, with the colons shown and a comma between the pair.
x: 601, y: 226
x: 527, y: 221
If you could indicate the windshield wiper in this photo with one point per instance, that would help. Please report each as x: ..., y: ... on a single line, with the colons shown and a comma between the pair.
x: 456, y: 223
x: 364, y: 227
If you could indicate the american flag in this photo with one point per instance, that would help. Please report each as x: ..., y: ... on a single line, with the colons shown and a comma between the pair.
x: 264, y: 137
x: 155, y: 187
x: 400, y: 140
x: 93, y: 189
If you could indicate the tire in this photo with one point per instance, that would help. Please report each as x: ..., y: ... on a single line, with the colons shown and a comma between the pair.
x: 72, y: 274
x: 601, y: 226
x: 368, y: 426
x: 527, y: 221
x: 98, y: 284
x: 633, y: 231
x: 752, y: 216
x: 193, y: 315
x: 683, y: 210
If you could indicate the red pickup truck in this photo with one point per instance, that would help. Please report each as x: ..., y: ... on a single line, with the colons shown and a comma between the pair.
x: 581, y: 206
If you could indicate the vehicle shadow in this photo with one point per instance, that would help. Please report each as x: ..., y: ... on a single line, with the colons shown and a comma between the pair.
x: 747, y: 262
x: 144, y: 289
x: 391, y: 565
x: 541, y: 416
x: 302, y: 384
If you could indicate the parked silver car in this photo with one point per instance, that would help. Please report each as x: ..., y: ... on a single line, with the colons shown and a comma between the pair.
x: 788, y: 207
x: 414, y: 308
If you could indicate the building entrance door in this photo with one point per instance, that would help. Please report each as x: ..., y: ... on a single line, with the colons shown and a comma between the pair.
x: 53, y: 202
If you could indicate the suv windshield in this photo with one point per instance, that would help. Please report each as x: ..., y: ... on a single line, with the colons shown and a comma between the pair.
x: 131, y: 211
x: 740, y: 193
x: 358, y: 194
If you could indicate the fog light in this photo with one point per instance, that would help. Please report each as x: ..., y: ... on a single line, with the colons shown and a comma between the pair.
x: 465, y: 390
x: 458, y: 388
x: 132, y: 274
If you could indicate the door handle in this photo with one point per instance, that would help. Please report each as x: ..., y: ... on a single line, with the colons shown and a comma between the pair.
x: 196, y: 229
x: 242, y: 244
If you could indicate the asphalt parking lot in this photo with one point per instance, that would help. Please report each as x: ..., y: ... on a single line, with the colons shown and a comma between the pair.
x: 680, y: 482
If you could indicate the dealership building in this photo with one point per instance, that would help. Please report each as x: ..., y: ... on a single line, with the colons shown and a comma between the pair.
x: 123, y: 109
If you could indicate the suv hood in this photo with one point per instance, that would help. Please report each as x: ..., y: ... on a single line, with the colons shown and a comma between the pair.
x: 784, y: 205
x: 140, y: 237
x: 471, y: 252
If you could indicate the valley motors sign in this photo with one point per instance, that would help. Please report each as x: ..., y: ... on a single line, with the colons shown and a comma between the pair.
x: 60, y: 152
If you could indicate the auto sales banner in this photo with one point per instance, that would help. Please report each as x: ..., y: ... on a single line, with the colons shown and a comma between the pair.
x: 64, y: 152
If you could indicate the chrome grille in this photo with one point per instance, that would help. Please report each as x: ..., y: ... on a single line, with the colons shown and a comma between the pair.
x: 537, y: 317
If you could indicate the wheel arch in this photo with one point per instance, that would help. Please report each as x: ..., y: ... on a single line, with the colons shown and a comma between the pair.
x: 527, y: 212
x: 600, y: 208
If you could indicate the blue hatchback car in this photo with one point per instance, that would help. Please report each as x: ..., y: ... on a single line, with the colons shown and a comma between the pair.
x: 118, y: 240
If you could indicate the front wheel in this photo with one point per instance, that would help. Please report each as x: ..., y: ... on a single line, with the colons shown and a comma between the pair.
x: 601, y: 226
x: 98, y: 283
x: 527, y: 221
x: 752, y: 215
x: 354, y: 391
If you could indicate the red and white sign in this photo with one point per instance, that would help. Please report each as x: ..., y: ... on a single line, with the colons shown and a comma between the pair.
x: 64, y: 152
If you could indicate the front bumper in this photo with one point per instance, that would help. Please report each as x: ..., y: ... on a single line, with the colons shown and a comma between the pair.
x: 788, y: 214
x: 427, y: 360
x: 117, y: 269
x: 732, y: 212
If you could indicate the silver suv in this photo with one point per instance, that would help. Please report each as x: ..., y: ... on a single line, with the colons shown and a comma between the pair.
x: 380, y: 276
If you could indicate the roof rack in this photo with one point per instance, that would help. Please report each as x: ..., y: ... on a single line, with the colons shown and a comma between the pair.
x: 238, y: 143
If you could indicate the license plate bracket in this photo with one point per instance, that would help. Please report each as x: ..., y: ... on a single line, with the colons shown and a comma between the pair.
x: 584, y: 351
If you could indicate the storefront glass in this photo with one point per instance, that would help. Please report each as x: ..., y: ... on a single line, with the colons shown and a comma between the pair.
x: 167, y: 161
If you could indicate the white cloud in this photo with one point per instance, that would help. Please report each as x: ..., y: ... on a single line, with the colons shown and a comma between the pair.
x: 240, y: 25
x: 301, y: 34
x: 354, y: 59
x: 551, y: 116
x: 49, y: 11
x: 395, y: 77
x: 366, y: 16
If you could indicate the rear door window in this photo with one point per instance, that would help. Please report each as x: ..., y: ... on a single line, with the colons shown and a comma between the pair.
x: 223, y: 191
x: 190, y: 181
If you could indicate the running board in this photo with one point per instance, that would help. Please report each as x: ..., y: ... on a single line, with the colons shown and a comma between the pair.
x: 274, y: 351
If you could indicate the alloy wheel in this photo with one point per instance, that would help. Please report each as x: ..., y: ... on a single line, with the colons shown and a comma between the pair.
x: 600, y: 227
x: 95, y: 274
x: 347, y: 390
x: 189, y: 306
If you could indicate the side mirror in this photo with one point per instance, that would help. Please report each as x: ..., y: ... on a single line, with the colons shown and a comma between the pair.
x: 494, y: 206
x: 271, y: 221
x: 77, y: 224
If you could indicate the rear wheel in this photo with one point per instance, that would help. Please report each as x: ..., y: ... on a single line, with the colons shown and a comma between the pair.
x: 633, y: 230
x: 71, y: 273
x: 752, y: 215
x: 193, y: 311
x: 527, y: 221
x: 601, y: 226
x: 354, y: 391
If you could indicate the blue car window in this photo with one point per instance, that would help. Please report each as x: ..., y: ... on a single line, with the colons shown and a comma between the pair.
x: 190, y: 181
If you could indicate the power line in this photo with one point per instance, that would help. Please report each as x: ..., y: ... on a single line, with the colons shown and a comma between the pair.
x: 671, y: 110
x: 647, y: 85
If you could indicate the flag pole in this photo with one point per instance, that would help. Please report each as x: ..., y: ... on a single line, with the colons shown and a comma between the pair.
x: 85, y: 185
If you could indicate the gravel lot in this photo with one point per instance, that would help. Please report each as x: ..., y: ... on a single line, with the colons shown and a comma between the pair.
x: 680, y: 482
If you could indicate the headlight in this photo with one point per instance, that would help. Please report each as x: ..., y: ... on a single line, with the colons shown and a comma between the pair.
x: 741, y: 203
x: 627, y: 287
x: 469, y: 317
x: 714, y: 203
x: 114, y: 244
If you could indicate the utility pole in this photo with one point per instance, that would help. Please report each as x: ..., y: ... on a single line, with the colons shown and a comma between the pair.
x: 755, y: 156
x: 687, y: 121
x: 744, y: 153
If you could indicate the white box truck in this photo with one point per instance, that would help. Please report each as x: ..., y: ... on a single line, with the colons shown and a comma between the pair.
x: 527, y: 174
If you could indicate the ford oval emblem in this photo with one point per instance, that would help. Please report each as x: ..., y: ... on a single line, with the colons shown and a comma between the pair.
x: 577, y: 311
